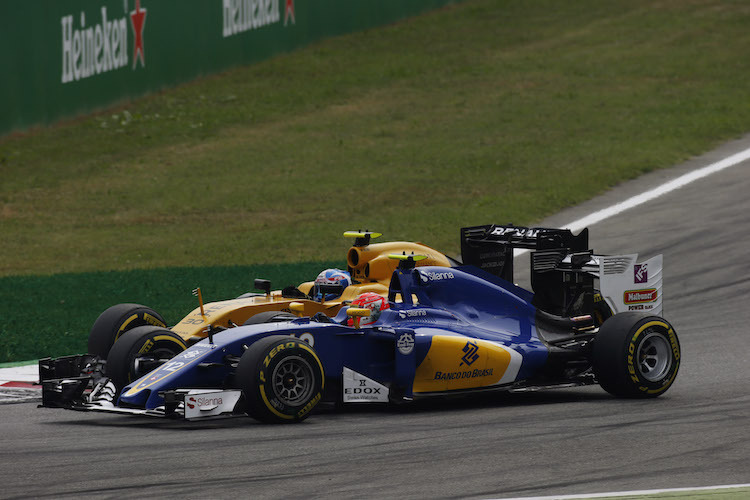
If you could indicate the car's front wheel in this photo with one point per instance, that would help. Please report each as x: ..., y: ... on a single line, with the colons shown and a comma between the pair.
x: 636, y: 355
x: 281, y: 378
x: 139, y: 351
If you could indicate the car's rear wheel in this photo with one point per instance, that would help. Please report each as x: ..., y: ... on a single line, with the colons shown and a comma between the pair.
x: 115, y: 321
x: 140, y: 351
x: 281, y: 378
x: 636, y: 355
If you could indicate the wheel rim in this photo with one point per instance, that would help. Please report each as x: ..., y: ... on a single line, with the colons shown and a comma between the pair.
x: 654, y: 357
x: 293, y: 381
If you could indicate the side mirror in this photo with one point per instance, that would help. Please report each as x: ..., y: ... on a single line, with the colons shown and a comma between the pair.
x: 357, y: 313
x: 298, y: 308
x: 264, y: 285
x: 326, y: 289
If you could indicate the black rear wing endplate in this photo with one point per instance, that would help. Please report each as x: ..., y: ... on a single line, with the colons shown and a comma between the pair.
x: 490, y: 247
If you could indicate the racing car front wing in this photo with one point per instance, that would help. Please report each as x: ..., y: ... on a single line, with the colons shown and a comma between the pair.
x: 76, y: 393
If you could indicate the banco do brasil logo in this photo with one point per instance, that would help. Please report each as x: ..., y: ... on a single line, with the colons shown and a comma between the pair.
x: 470, y: 350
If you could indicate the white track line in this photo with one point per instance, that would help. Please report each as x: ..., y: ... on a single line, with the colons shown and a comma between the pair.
x: 668, y: 187
x: 616, y: 494
x: 618, y: 208
x: 642, y: 198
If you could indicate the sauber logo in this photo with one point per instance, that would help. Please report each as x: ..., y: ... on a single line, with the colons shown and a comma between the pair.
x: 405, y: 343
x: 640, y: 296
x: 91, y: 49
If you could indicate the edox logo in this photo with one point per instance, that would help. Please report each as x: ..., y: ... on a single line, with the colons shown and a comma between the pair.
x: 471, y: 353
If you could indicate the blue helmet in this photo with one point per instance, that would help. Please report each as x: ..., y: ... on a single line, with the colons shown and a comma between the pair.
x: 334, y: 280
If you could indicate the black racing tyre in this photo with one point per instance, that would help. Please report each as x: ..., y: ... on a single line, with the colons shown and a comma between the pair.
x: 269, y: 317
x: 281, y: 378
x: 139, y: 351
x: 636, y: 355
x: 115, y: 321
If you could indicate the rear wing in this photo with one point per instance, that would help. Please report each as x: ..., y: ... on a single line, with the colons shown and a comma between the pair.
x: 490, y: 247
x: 564, y: 269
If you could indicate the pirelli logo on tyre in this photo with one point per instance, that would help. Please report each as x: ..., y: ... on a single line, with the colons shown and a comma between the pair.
x: 636, y: 356
x: 276, y: 350
x: 309, y: 406
x: 152, y: 320
x: 640, y: 296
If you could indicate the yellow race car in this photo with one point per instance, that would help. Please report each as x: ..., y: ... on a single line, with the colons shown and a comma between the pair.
x: 369, y: 269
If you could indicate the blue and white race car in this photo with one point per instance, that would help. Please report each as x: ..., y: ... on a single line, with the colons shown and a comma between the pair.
x: 441, y: 331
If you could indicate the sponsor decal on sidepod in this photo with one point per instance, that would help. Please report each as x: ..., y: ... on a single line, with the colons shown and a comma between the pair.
x: 640, y: 296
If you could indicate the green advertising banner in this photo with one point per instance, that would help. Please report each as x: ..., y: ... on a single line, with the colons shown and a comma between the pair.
x: 63, y: 58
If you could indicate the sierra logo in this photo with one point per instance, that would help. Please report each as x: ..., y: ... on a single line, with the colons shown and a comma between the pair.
x: 91, y: 49
x: 640, y: 296
x: 203, y: 403
x: 433, y: 276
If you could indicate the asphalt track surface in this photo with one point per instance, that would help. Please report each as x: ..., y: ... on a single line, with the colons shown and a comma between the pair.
x: 554, y: 442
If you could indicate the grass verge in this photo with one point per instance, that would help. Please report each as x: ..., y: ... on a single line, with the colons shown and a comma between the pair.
x: 52, y: 315
x: 485, y: 111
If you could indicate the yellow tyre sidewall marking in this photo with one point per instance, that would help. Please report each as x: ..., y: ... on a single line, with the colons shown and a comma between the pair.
x: 148, y: 318
x: 632, y: 370
x: 262, y: 377
x: 153, y: 320
x: 124, y: 325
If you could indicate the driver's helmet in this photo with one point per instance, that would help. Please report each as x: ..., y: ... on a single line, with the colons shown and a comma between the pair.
x: 331, y: 277
x: 374, y: 302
